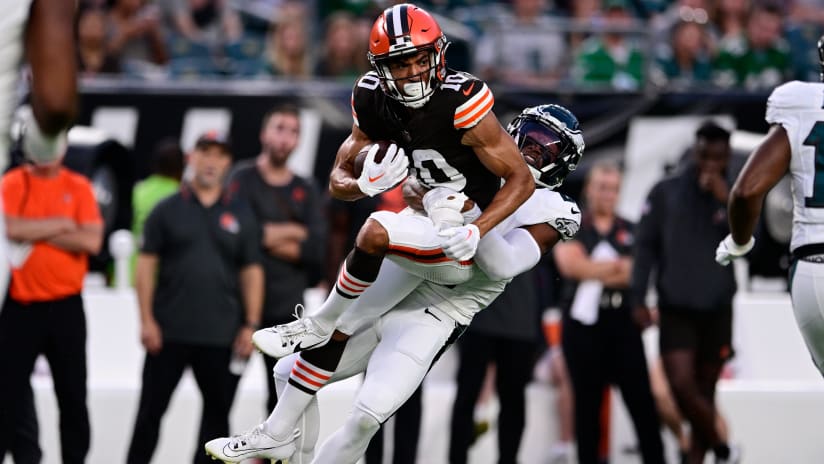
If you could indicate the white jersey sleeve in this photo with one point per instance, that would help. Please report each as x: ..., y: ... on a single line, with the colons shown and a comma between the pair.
x: 786, y: 100
x: 799, y: 108
x: 550, y: 207
x: 12, y: 24
x: 505, y: 255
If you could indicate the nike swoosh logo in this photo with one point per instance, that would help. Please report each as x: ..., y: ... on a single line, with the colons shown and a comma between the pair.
x: 466, y: 92
x: 469, y: 234
x: 373, y: 179
x: 427, y: 311
x: 234, y: 454
x: 298, y: 347
x: 574, y: 212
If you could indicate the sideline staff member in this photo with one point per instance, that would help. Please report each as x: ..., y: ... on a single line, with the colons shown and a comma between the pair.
x: 684, y: 218
x: 53, y: 224
x: 200, y: 291
x: 601, y: 342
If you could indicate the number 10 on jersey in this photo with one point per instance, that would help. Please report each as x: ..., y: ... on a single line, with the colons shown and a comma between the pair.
x: 432, y: 169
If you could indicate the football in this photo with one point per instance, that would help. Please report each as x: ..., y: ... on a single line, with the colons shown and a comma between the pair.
x: 360, y: 158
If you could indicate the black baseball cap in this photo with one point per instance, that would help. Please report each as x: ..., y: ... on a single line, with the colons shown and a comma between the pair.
x: 212, y: 138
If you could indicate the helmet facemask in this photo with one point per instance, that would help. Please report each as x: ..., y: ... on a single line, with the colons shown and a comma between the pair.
x: 414, y: 93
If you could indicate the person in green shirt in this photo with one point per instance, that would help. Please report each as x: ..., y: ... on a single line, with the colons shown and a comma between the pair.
x: 759, y: 60
x: 611, y: 59
x: 164, y: 180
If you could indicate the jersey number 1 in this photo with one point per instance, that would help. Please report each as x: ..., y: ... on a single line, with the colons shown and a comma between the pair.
x: 815, y: 139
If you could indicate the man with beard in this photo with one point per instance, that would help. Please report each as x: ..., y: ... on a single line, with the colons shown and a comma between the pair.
x: 289, y: 210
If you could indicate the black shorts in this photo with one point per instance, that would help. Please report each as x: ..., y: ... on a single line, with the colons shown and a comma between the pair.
x: 707, y: 332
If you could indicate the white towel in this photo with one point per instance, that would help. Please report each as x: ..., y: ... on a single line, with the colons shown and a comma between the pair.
x: 588, y: 294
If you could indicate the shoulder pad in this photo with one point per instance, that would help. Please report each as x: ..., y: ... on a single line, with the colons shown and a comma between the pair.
x: 796, y: 95
x: 550, y: 207
x: 471, y: 96
x: 363, y: 93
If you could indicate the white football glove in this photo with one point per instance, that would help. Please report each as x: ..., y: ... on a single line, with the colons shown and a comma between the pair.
x: 380, y: 177
x: 460, y: 243
x: 443, y: 205
x: 728, y: 250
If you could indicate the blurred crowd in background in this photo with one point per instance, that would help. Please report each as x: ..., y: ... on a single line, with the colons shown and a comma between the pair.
x: 628, y: 45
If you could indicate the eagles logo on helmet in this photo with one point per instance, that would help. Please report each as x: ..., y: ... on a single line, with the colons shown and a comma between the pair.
x: 403, y: 31
x: 550, y: 141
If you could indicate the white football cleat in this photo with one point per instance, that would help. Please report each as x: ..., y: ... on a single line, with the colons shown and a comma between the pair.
x: 252, y: 444
x: 285, y: 339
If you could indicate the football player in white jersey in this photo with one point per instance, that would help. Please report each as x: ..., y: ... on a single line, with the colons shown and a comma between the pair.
x: 42, y: 31
x: 794, y: 144
x: 427, y: 320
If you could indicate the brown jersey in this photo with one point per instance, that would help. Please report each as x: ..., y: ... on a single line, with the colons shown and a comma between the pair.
x: 431, y: 135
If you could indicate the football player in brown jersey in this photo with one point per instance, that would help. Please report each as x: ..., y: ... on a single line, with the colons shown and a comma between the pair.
x: 443, y: 121
x: 445, y: 129
x: 400, y: 348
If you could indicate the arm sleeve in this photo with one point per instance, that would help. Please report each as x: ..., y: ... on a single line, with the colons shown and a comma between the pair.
x: 13, y: 191
x: 647, y: 245
x: 365, y: 108
x: 505, y: 256
x: 785, y: 103
x: 151, y: 241
x: 235, y: 184
x: 88, y: 212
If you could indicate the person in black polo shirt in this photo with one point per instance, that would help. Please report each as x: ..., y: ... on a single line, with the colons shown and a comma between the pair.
x: 684, y: 218
x: 200, y: 291
x: 601, y: 340
x: 290, y: 213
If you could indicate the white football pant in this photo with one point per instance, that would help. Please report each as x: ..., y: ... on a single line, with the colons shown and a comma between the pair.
x: 807, y: 291
x: 396, y: 352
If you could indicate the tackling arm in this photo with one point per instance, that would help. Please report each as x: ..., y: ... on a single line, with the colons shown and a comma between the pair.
x: 498, y: 152
x: 519, y: 250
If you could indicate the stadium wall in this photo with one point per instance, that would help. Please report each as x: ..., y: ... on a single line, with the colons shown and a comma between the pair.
x: 772, y: 401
